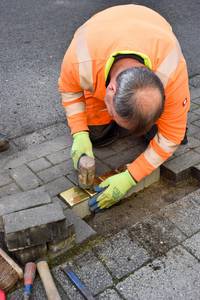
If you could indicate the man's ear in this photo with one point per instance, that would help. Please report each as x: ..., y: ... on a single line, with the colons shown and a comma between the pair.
x: 112, y: 87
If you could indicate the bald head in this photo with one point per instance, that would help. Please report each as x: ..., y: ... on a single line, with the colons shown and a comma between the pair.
x: 139, y: 98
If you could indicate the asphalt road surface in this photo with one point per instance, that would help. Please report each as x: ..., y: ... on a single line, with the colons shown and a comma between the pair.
x: 34, y: 36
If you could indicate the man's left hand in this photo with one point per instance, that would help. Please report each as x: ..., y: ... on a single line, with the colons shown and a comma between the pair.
x: 115, y: 188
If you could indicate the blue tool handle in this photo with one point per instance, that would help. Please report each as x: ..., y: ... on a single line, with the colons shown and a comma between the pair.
x: 79, y: 284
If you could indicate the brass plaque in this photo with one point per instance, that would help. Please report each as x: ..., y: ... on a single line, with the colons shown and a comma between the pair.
x: 74, y: 196
x: 106, y: 175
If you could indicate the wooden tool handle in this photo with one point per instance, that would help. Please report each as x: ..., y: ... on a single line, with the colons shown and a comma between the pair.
x: 47, y: 280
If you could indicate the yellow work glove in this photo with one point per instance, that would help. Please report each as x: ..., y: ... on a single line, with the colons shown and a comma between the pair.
x: 114, y: 189
x: 81, y: 146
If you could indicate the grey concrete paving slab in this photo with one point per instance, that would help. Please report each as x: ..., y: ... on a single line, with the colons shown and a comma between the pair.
x: 121, y: 254
x: 157, y: 235
x: 25, y: 178
x: 193, y: 245
x: 195, y: 81
x: 9, y: 189
x: 23, y: 200
x: 24, y: 142
x: 192, y: 144
x: 54, y: 172
x: 60, y: 156
x: 34, y: 152
x: 90, y: 270
x: 39, y: 164
x: 194, y: 93
x: 40, y: 224
x: 83, y: 231
x: 179, y: 168
x: 185, y: 213
x: 5, y: 179
x: 175, y: 276
x: 57, y: 186
x: 109, y: 294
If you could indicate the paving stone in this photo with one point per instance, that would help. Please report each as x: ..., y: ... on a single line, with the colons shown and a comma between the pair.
x: 195, y: 81
x: 39, y: 164
x: 104, y: 152
x: 129, y: 142
x: 56, y: 249
x: 57, y: 186
x: 196, y: 171
x: 128, y: 156
x: 5, y: 179
x: 195, y: 93
x: 121, y: 254
x: 56, y: 171
x: 192, y: 117
x: 185, y: 213
x: 29, y: 227
x: 101, y: 168
x: 90, y: 270
x: 16, y: 295
x: 30, y: 254
x: 192, y: 130
x: 193, y: 107
x: 33, y: 152
x: 59, y: 156
x: 23, y: 142
x: 83, y: 231
x: 9, y: 189
x: 21, y: 201
x: 193, y: 245
x: 175, y: 276
x: 180, y: 167
x: 25, y: 178
x: 109, y: 294
x: 157, y: 235
x: 192, y: 144
x: 53, y: 131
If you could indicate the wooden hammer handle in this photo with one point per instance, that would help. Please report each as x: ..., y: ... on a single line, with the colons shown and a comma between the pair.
x: 47, y: 280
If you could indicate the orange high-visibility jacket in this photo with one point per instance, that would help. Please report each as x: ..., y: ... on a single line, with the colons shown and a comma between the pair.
x: 122, y: 30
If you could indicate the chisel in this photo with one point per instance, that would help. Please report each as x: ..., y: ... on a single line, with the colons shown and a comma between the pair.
x: 78, y: 284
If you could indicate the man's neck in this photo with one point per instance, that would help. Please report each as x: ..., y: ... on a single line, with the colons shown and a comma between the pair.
x: 123, y: 64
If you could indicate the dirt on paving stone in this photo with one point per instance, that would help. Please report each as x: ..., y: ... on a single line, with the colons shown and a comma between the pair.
x: 137, y: 207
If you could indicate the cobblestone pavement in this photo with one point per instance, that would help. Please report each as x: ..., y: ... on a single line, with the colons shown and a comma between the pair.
x: 157, y: 256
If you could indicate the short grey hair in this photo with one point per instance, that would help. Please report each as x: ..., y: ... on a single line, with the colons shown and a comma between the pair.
x: 127, y: 103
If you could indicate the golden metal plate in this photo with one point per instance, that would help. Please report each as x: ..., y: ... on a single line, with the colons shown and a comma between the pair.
x: 106, y: 175
x: 74, y: 196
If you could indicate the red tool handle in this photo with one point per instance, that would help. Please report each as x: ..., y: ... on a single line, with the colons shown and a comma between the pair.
x: 29, y: 273
x: 2, y: 295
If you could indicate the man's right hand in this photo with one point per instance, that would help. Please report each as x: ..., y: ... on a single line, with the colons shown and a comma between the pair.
x: 81, y: 145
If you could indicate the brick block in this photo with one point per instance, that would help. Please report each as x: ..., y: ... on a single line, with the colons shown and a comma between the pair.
x: 59, y: 156
x: 57, y: 186
x: 21, y: 201
x: 9, y: 189
x: 29, y: 227
x: 56, y: 249
x: 30, y: 254
x: 195, y: 81
x: 90, y: 270
x: 185, y: 213
x: 83, y: 231
x: 55, y: 172
x: 39, y: 164
x: 192, y: 144
x: 25, y: 178
x: 157, y: 235
x: 175, y: 276
x: 121, y: 254
x: 179, y: 168
x: 196, y: 171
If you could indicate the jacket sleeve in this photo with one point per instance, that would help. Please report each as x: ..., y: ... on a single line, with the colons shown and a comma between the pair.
x: 72, y: 94
x: 171, y: 126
